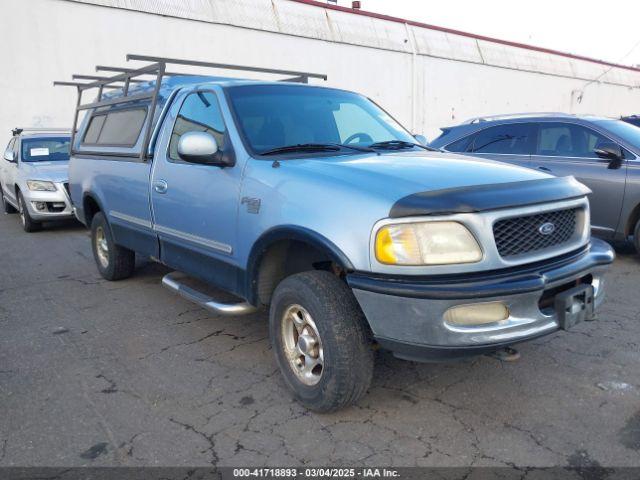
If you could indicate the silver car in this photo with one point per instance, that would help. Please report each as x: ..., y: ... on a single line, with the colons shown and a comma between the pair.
x: 34, y: 176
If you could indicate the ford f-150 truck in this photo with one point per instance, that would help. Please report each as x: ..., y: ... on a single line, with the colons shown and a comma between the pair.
x: 315, y: 203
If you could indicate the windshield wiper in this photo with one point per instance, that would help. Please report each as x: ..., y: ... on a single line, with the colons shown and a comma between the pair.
x: 302, y: 147
x: 399, y: 145
x: 355, y: 147
x: 314, y: 147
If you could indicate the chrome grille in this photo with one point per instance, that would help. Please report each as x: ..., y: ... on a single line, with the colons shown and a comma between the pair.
x: 521, y: 235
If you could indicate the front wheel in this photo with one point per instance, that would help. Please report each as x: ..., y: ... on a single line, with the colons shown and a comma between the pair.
x: 28, y: 224
x: 6, y: 206
x: 114, y: 262
x: 636, y: 237
x: 321, y: 341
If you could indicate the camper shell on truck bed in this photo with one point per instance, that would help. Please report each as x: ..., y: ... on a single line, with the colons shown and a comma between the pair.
x: 315, y: 203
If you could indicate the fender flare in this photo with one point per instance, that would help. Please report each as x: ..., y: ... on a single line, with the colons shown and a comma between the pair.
x: 94, y: 198
x: 289, y: 232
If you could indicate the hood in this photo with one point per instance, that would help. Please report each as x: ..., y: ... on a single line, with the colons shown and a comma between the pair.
x: 54, y: 171
x: 395, y: 175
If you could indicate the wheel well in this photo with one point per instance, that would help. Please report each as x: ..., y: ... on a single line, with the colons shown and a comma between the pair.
x: 90, y: 207
x: 631, y: 222
x: 285, y: 258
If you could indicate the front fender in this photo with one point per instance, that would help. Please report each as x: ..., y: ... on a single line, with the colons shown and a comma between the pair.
x: 289, y: 232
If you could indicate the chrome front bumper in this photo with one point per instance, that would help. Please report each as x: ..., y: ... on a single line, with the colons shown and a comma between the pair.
x: 407, y: 315
x: 43, y: 206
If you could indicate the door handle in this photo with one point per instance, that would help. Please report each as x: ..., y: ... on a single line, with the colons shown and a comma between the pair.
x: 544, y: 169
x: 160, y: 186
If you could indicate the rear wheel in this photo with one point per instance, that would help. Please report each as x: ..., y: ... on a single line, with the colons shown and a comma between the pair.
x: 6, y: 206
x: 114, y: 262
x: 321, y: 341
x: 28, y: 224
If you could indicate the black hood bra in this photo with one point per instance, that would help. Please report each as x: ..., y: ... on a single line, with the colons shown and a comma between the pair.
x: 480, y: 198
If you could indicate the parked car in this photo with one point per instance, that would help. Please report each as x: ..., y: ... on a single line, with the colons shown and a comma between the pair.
x: 316, y: 204
x: 632, y: 119
x: 602, y: 153
x: 34, y: 176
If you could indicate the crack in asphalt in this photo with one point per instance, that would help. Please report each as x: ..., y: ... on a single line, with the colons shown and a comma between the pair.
x: 533, y: 438
x: 112, y: 388
x: 129, y: 445
x: 215, y: 333
x: 208, y: 438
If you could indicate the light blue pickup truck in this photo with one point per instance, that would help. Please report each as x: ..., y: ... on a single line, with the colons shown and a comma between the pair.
x: 316, y: 204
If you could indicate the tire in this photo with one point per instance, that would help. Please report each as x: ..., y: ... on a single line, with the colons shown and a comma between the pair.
x: 6, y: 206
x: 113, y: 261
x: 636, y: 237
x: 343, y: 343
x: 28, y: 224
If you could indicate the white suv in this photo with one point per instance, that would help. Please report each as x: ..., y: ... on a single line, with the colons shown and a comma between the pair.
x: 34, y: 176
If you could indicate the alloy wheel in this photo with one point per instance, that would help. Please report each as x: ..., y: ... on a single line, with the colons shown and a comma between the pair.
x: 302, y: 345
x: 102, y: 247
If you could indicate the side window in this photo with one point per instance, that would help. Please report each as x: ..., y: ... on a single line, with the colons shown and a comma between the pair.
x: 568, y: 140
x: 93, y: 130
x: 462, y: 145
x: 11, y: 145
x: 200, y: 112
x: 352, y: 119
x: 119, y: 128
x: 510, y: 139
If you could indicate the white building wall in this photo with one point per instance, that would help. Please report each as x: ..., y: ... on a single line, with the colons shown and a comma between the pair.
x: 424, y: 77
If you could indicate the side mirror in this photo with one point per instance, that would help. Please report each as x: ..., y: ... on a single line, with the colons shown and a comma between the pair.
x: 10, y: 156
x: 200, y: 147
x: 422, y: 140
x: 612, y: 152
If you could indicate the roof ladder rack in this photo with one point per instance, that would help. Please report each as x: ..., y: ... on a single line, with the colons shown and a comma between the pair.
x: 506, y: 116
x: 224, y: 66
x: 157, y: 68
x: 104, y: 68
x: 18, y: 130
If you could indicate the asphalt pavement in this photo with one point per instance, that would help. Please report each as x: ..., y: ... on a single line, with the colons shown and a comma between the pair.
x: 127, y: 373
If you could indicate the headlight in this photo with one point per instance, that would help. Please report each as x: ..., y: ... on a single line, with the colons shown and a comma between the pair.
x: 426, y: 243
x: 41, y: 186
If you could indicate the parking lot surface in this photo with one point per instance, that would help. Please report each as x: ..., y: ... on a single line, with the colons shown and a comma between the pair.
x: 127, y: 373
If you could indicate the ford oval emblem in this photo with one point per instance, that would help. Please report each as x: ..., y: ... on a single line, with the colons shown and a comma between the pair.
x: 546, y: 228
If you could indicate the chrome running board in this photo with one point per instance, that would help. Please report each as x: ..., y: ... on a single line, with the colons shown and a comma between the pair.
x: 172, y: 281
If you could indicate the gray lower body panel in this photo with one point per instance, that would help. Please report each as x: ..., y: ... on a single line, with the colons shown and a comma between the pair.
x: 419, y: 320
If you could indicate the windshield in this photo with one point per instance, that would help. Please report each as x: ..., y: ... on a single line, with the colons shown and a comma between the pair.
x: 49, y: 149
x: 624, y: 130
x: 274, y: 116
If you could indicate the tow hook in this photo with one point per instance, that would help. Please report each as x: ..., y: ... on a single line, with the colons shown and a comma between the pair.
x: 506, y: 354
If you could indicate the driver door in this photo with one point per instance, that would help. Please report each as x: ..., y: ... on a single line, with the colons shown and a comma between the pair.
x: 194, y: 205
